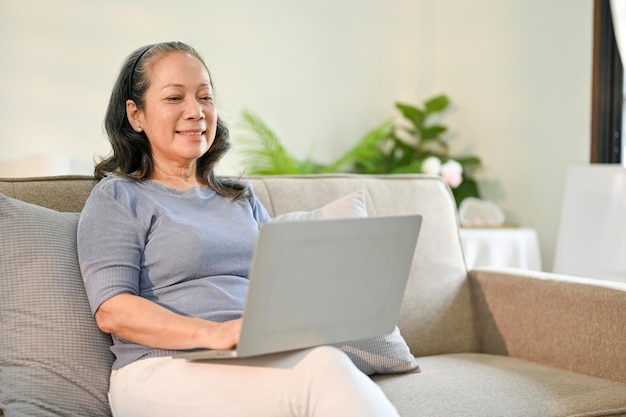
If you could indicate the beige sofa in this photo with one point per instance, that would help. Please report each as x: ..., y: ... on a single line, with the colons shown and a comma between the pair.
x: 489, y: 342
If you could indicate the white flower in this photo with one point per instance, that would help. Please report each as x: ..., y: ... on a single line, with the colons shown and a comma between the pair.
x: 431, y: 165
x: 452, y: 173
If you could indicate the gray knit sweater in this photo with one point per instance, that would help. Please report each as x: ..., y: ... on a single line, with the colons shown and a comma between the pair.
x: 188, y: 251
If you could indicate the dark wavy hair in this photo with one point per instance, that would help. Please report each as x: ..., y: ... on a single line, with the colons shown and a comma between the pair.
x: 132, y: 154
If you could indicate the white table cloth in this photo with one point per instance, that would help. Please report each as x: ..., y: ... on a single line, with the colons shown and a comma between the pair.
x: 501, y: 247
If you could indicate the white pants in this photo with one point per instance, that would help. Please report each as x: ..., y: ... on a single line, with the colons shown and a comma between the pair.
x: 317, y: 382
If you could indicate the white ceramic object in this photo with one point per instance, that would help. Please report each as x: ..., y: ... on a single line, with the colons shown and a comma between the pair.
x: 474, y: 212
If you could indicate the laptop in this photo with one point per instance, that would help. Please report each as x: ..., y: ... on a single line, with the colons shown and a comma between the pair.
x: 321, y: 282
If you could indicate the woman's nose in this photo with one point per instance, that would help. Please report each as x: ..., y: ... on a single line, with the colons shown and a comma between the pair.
x: 195, y: 110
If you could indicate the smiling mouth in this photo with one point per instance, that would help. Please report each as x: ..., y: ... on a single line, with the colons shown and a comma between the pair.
x: 196, y: 134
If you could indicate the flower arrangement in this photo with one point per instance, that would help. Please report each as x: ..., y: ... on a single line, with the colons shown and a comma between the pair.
x: 451, y: 170
x: 411, y: 144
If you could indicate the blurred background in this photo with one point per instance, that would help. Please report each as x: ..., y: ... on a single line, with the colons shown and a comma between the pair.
x: 321, y: 74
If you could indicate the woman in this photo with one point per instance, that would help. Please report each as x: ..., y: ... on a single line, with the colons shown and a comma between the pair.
x: 165, y: 247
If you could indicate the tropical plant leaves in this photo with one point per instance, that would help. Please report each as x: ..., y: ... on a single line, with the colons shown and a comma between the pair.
x: 390, y: 148
x: 265, y: 154
x: 366, y: 153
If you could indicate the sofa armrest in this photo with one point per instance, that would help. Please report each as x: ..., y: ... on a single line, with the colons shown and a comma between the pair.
x: 571, y: 323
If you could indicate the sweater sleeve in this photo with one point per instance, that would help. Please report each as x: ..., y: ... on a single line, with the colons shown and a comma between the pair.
x: 110, y: 244
x: 258, y: 210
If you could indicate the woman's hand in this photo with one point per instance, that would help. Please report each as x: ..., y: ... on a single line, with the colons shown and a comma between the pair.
x: 223, y: 335
x: 141, y: 321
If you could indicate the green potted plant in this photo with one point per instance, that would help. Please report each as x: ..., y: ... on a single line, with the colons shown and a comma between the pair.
x: 410, y: 144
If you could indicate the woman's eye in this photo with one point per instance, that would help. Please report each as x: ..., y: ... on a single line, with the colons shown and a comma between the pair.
x: 206, y: 98
x: 173, y: 98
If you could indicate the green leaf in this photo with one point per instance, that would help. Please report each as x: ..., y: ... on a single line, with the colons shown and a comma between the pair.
x: 470, y: 164
x: 412, y: 168
x: 413, y: 114
x: 436, y: 104
x: 401, y: 152
x: 470, y: 160
x: 433, y: 132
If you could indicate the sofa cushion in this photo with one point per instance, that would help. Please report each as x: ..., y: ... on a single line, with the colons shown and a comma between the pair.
x: 350, y: 205
x: 470, y: 384
x: 387, y: 354
x: 54, y: 361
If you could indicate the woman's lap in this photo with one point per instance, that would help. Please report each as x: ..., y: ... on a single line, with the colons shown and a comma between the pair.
x: 313, y: 382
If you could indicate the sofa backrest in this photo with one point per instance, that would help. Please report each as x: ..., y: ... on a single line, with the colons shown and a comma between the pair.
x: 62, y: 193
x: 437, y: 314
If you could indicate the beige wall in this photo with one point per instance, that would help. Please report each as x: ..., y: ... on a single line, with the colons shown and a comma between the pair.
x: 520, y: 75
x: 321, y: 74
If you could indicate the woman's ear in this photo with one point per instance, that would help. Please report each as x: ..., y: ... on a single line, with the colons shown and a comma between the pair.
x: 134, y: 115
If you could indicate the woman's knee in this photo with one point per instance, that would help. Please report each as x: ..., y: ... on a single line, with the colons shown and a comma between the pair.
x: 328, y: 362
x: 337, y: 387
x: 329, y: 355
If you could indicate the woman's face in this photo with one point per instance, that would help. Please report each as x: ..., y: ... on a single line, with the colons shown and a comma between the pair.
x: 179, y: 115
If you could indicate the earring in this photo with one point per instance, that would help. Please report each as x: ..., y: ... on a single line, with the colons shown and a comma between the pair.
x: 139, y: 129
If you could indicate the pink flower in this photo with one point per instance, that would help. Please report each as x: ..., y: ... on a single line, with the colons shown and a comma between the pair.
x: 452, y: 173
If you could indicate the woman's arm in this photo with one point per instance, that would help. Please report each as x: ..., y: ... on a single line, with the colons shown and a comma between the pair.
x: 141, y: 321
